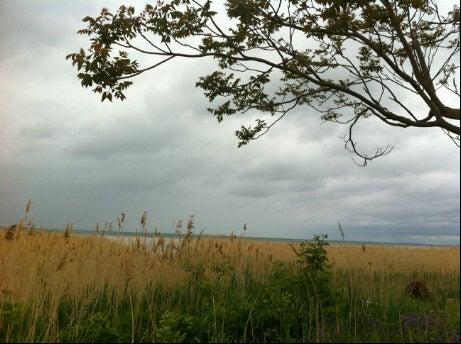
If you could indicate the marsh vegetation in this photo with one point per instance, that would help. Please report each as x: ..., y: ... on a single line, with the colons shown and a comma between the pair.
x: 64, y: 287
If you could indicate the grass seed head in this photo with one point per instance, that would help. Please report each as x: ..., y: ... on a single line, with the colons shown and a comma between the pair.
x: 178, y: 227
x: 68, y: 230
x: 11, y: 233
x: 144, y: 219
x: 28, y: 206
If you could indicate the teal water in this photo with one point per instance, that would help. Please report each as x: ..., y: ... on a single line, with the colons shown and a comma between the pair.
x: 264, y: 239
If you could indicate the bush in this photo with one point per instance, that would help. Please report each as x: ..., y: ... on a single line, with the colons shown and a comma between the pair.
x: 177, y: 328
x: 315, y: 272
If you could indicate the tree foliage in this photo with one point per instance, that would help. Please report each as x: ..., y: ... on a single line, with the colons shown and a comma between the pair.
x: 349, y: 60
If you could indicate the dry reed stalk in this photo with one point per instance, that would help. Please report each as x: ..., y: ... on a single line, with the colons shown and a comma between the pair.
x: 294, y: 249
x: 28, y: 206
x: 190, y: 228
x: 161, y: 242
x: 11, y: 233
x: 178, y: 227
x: 31, y: 230
x: 20, y: 225
x: 121, y: 220
x: 30, y: 223
x: 62, y: 262
x: 200, y: 235
x: 220, y: 249
x: 144, y: 219
x: 67, y: 231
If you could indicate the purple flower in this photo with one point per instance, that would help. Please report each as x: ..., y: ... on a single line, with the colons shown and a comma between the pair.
x: 417, y: 321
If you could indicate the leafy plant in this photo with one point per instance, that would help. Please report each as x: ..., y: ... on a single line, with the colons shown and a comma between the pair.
x: 313, y: 255
x: 176, y: 327
x: 100, y: 329
x: 313, y: 260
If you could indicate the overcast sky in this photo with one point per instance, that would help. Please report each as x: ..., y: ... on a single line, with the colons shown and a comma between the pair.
x: 84, y: 161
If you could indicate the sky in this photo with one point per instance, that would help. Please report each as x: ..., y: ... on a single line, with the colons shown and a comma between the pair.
x: 160, y: 151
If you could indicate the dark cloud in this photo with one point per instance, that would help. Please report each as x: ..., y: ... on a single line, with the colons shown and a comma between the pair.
x: 84, y: 161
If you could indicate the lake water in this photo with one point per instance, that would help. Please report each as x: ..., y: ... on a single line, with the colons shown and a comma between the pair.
x: 129, y: 235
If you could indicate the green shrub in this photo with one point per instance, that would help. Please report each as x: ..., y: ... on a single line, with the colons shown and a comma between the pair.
x: 176, y: 327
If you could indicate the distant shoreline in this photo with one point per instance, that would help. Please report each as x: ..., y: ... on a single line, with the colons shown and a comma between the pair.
x: 264, y: 239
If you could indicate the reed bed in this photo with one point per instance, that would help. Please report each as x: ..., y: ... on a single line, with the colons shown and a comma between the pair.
x: 30, y: 263
x: 51, y: 283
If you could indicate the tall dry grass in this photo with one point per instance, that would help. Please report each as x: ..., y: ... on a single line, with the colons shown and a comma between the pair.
x: 42, y: 269
x: 62, y: 263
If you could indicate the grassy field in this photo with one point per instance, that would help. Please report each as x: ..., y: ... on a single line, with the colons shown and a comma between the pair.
x: 61, y: 287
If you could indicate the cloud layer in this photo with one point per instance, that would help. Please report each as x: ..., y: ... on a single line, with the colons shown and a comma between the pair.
x: 83, y: 161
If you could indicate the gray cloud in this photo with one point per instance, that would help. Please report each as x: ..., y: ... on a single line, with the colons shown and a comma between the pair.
x: 84, y: 161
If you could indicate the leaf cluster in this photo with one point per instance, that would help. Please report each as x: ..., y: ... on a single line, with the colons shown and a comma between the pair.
x: 348, y: 60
